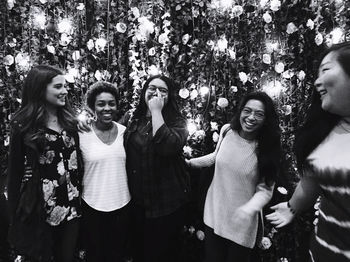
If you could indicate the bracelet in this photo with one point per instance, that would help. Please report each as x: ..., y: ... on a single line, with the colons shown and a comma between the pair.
x: 291, y: 209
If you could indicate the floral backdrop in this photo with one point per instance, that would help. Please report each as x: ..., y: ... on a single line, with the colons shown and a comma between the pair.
x: 216, y: 50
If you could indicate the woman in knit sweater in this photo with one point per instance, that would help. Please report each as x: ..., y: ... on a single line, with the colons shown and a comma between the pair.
x: 246, y: 163
x: 323, y: 153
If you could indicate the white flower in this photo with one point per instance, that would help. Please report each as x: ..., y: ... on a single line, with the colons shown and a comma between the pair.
x: 279, y: 67
x: 9, y: 60
x: 222, y: 102
x: 291, y: 28
x: 232, y: 53
x: 121, y: 27
x: 288, y: 74
x: 98, y: 75
x: 216, y: 137
x: 267, y: 59
x: 13, y: 43
x: 69, y: 78
x: 40, y: 20
x: 22, y: 61
x: 65, y: 26
x: 243, y: 77
x: 301, y: 75
x: 51, y: 49
x: 233, y: 89
x: 146, y: 27
x: 263, y: 3
x: 48, y: 189
x: 214, y: 126
x: 237, y: 10
x: 185, y: 38
x: 319, y: 39
x: 191, y: 229
x: 10, y: 4
x: 184, y: 93
x: 222, y: 43
x: 153, y: 70
x: 282, y: 190
x: 65, y: 39
x: 211, y: 44
x: 60, y: 168
x: 267, y: 17
x: 194, y: 94
x: 200, y: 235
x: 81, y: 7
x: 265, y: 243
x: 43, y: 1
x: 90, y: 44
x: 76, y: 55
x: 187, y: 150
x: 152, y: 51
x: 275, y: 5
x: 100, y: 44
x: 135, y: 11
x: 283, y: 259
x: 163, y: 38
x: 310, y: 24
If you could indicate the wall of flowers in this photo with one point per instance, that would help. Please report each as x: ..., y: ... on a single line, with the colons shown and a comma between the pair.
x: 216, y: 50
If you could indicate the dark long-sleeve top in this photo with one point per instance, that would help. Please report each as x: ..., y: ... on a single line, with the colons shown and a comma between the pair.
x: 58, y: 169
x: 156, y: 173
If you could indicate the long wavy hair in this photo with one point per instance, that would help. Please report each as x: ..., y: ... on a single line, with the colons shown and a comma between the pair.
x: 32, y: 115
x: 170, y: 110
x: 268, y: 137
x: 319, y: 123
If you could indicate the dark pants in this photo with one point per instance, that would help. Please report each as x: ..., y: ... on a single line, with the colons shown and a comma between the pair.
x: 105, y: 233
x: 65, y: 239
x: 156, y: 239
x: 223, y: 250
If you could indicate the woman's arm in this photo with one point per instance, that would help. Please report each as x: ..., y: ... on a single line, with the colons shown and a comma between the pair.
x: 304, y: 196
x: 262, y: 196
x: 15, y: 171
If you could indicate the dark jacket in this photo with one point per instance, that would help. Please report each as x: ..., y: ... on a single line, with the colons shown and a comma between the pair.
x: 165, y: 181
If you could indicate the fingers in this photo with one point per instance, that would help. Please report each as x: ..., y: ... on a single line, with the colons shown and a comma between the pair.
x: 274, y: 207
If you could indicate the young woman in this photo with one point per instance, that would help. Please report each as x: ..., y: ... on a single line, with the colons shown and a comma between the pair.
x: 105, y: 187
x: 44, y: 172
x: 246, y: 164
x: 323, y: 153
x: 158, y: 183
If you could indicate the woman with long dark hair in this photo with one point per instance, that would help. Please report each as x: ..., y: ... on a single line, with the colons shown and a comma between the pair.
x: 323, y: 155
x: 44, y: 170
x: 158, y: 183
x: 246, y: 159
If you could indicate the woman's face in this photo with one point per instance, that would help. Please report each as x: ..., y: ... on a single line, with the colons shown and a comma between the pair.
x: 252, y: 118
x: 153, y: 86
x: 105, y: 107
x: 56, y: 92
x: 333, y: 85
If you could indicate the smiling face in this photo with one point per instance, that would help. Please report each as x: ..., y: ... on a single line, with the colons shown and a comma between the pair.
x: 333, y: 85
x: 56, y: 92
x: 153, y: 86
x: 105, y: 108
x: 252, y: 118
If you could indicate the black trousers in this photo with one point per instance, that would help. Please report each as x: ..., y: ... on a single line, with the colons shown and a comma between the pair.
x: 105, y: 234
x: 156, y: 239
x: 65, y: 240
x: 224, y: 250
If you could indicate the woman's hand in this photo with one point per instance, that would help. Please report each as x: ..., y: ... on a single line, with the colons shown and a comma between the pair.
x: 84, y: 121
x: 282, y: 215
x: 156, y: 103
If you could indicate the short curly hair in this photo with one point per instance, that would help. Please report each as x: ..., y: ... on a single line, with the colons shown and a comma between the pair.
x: 98, y: 88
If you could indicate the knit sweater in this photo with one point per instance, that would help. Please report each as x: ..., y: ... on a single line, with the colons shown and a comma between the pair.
x: 235, y: 189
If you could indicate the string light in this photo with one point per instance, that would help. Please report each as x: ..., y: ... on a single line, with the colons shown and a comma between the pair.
x: 273, y: 88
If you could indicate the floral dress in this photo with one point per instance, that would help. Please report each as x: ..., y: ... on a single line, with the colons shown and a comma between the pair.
x: 58, y: 165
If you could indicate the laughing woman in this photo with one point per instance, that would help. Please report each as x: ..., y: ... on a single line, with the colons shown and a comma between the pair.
x: 105, y: 187
x: 246, y: 164
x: 323, y: 155
x: 44, y: 172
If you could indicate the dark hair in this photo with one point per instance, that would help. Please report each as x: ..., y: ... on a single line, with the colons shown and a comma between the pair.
x: 269, y: 144
x: 98, y: 88
x: 319, y: 122
x: 32, y: 115
x: 170, y: 110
